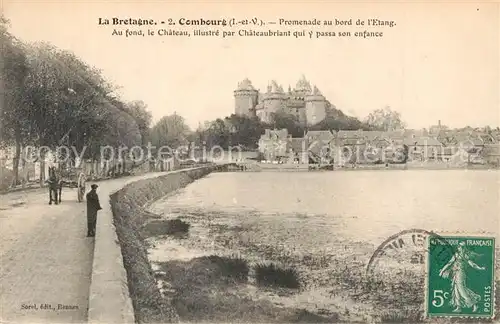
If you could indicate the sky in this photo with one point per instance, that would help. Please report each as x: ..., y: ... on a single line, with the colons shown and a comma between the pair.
x: 440, y: 61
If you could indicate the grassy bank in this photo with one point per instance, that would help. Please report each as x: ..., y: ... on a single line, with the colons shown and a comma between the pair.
x: 289, y: 278
x: 249, y: 267
x: 207, y: 289
x: 130, y: 218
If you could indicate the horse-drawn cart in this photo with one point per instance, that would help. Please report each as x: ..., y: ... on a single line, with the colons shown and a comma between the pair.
x: 67, y: 177
x: 75, y: 178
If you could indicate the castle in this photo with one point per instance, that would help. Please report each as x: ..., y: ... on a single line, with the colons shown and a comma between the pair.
x: 305, y: 102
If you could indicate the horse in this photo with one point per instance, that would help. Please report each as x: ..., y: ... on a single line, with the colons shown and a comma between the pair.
x: 55, y: 186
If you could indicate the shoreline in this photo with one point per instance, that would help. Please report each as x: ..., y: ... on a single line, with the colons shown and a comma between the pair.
x: 334, y: 284
x: 209, y: 272
x: 300, y: 168
x: 129, y: 218
x: 263, y: 167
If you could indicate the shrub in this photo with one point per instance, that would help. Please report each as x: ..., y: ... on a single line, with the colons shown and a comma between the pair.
x: 402, y: 316
x: 166, y: 227
x: 231, y: 267
x: 304, y: 316
x: 276, y: 276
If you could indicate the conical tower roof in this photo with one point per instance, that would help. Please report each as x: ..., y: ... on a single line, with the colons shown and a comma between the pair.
x: 303, y: 84
x: 246, y: 84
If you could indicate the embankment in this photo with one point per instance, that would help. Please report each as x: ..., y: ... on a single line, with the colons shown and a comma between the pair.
x: 129, y: 216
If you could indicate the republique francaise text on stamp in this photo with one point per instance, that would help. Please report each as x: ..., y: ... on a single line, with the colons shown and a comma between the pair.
x: 462, y: 283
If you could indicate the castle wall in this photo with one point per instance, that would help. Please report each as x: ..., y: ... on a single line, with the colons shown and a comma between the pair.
x: 273, y: 105
x: 244, y: 102
x: 315, y: 110
x: 308, y: 106
x: 302, y: 116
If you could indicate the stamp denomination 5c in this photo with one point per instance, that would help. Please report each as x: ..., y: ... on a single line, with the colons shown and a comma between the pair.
x: 460, y: 283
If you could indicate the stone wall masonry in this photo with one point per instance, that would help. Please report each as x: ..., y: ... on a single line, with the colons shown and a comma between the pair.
x: 123, y: 288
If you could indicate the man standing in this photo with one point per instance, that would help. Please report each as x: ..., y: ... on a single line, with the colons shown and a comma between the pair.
x: 92, y: 207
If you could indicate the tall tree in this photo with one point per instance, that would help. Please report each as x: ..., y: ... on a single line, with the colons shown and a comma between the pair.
x: 15, y: 128
x: 385, y: 119
x: 138, y: 110
x: 282, y: 120
x: 244, y: 130
x: 171, y: 131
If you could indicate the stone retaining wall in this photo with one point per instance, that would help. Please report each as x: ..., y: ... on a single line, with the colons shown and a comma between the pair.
x: 123, y: 288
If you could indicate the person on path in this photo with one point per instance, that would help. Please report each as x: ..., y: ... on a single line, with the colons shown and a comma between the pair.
x: 93, y: 206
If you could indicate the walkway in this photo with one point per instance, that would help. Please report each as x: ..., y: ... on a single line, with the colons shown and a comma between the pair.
x: 45, y: 256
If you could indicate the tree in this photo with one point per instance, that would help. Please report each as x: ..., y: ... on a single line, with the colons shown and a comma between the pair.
x: 218, y: 134
x: 53, y: 98
x: 244, y: 130
x: 171, y: 131
x: 282, y: 120
x: 385, y: 119
x: 74, y: 105
x: 14, y: 127
x: 336, y: 120
x: 138, y: 110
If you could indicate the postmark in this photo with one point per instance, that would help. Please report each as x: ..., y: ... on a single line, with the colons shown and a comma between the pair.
x: 461, y: 284
x: 407, y: 247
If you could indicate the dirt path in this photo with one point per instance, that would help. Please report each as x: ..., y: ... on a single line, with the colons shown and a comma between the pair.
x: 45, y: 258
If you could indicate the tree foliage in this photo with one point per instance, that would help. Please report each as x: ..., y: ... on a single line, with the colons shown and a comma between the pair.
x: 139, y: 111
x: 52, y: 98
x: 246, y: 131
x: 385, y: 119
x: 171, y: 131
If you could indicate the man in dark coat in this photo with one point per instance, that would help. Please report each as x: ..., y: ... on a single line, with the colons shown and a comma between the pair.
x: 93, y: 206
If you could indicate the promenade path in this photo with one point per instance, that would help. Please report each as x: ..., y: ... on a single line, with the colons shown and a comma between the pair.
x: 45, y: 256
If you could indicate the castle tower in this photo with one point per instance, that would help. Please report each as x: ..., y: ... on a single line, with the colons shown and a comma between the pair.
x: 245, y: 99
x: 274, y: 101
x: 315, y: 106
x: 303, y: 87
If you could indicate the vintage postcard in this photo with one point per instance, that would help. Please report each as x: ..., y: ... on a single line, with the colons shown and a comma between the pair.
x: 249, y: 162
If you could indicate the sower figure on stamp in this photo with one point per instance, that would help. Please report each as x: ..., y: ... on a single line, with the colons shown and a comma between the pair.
x: 461, y: 295
x: 93, y: 206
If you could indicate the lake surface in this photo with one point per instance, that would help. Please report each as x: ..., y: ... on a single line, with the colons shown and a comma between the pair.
x: 327, y: 226
x: 363, y: 205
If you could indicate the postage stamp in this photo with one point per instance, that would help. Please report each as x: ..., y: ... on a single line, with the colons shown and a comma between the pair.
x: 460, y: 282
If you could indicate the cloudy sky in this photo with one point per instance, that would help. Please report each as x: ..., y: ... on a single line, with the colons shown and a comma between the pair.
x: 440, y: 61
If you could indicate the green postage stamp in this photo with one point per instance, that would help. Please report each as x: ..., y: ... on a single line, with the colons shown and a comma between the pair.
x: 460, y: 276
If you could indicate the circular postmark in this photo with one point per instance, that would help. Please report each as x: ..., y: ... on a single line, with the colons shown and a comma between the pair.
x: 409, y: 248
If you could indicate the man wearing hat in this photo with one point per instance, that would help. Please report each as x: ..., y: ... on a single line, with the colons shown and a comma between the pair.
x: 93, y: 206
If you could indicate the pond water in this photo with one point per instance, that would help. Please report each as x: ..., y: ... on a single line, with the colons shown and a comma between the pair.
x: 363, y: 205
x: 320, y: 222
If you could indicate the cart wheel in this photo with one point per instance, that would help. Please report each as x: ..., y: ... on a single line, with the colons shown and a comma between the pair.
x: 81, y: 187
x: 81, y: 192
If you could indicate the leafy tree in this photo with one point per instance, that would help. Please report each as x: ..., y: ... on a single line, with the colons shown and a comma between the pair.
x: 244, y: 130
x: 171, y: 131
x: 385, y: 119
x: 138, y: 110
x: 218, y: 134
x: 282, y: 120
x: 53, y: 98
x: 14, y: 127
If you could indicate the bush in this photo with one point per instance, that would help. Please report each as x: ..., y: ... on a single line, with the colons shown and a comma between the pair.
x: 205, y: 271
x: 402, y: 316
x: 276, y: 276
x: 231, y: 267
x: 166, y: 227
x: 6, y: 178
x: 304, y: 316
